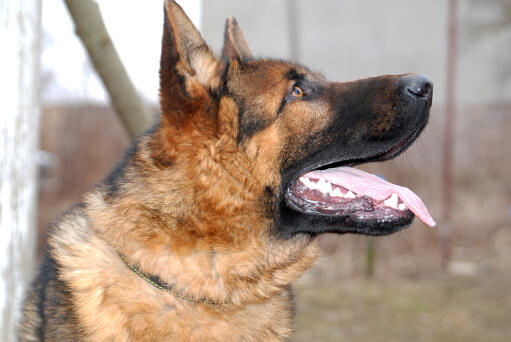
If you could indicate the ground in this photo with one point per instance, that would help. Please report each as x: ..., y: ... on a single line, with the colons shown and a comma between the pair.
x: 417, y: 305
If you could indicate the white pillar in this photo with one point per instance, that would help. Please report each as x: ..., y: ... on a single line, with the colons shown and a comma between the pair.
x: 19, y: 126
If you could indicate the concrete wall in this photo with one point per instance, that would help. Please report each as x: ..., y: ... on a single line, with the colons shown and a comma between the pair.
x: 349, y: 39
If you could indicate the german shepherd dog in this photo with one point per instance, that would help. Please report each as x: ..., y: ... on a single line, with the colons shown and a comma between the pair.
x: 213, y: 213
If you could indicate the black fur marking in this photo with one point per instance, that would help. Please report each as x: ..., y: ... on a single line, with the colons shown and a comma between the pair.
x: 249, y: 123
x: 249, y: 126
x: 157, y: 282
x: 182, y: 84
x: 293, y: 75
x: 113, y: 180
x: 282, y: 105
x: 173, y: 57
x: 47, y: 270
x: 223, y: 75
x: 269, y: 200
x: 222, y: 90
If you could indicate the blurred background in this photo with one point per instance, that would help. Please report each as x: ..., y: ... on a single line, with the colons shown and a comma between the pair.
x: 449, y: 283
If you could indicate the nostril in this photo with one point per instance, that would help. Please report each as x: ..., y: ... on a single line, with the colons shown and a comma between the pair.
x: 422, y: 90
x: 420, y: 85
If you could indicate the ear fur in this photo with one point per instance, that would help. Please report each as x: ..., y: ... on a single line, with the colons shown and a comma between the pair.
x: 235, y: 45
x: 187, y: 66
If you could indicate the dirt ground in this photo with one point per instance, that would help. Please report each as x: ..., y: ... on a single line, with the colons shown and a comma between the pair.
x: 419, y: 304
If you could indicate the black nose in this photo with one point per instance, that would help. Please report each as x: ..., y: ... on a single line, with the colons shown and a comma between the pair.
x: 418, y: 85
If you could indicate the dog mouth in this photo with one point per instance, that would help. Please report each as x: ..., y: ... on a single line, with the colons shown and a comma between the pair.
x: 357, y: 198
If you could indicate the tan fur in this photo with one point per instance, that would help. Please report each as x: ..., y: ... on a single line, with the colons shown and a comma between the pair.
x: 107, y: 309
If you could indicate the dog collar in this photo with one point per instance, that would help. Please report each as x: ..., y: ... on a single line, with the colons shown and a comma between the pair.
x: 171, y: 288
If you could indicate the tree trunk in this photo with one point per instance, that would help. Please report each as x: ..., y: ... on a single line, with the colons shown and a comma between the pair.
x: 126, y: 101
x: 20, y: 27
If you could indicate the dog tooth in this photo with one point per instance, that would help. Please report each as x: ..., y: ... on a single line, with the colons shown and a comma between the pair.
x: 324, y: 186
x: 349, y: 194
x: 336, y: 193
x: 401, y: 206
x: 307, y: 182
x: 391, y: 201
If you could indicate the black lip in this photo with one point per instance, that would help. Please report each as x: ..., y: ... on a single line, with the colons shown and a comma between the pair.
x: 357, y: 217
x: 401, y: 146
x: 342, y: 224
x: 339, y: 224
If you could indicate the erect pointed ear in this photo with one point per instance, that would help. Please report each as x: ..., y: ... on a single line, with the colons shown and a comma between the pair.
x: 235, y: 45
x: 187, y: 66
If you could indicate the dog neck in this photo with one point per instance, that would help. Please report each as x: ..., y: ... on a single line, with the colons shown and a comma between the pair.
x: 182, y: 226
x: 155, y: 281
x: 105, y: 286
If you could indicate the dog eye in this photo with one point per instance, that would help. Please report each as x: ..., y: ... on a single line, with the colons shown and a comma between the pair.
x: 296, y: 91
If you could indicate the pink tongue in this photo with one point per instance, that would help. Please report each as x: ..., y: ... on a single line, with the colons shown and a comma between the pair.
x: 363, y: 183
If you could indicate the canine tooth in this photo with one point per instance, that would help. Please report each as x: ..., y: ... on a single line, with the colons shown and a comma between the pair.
x: 306, y: 181
x: 391, y: 201
x: 324, y: 186
x: 336, y: 193
x: 401, y: 206
x: 349, y: 194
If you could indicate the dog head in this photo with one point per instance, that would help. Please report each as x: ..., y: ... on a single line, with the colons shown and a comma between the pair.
x: 264, y: 124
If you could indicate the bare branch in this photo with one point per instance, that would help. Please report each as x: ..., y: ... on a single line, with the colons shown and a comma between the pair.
x: 126, y: 101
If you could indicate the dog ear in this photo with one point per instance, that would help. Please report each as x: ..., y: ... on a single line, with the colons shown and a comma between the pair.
x: 188, y: 68
x: 235, y: 45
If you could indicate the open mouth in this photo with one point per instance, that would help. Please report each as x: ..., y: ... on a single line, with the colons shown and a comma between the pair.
x: 358, y: 198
